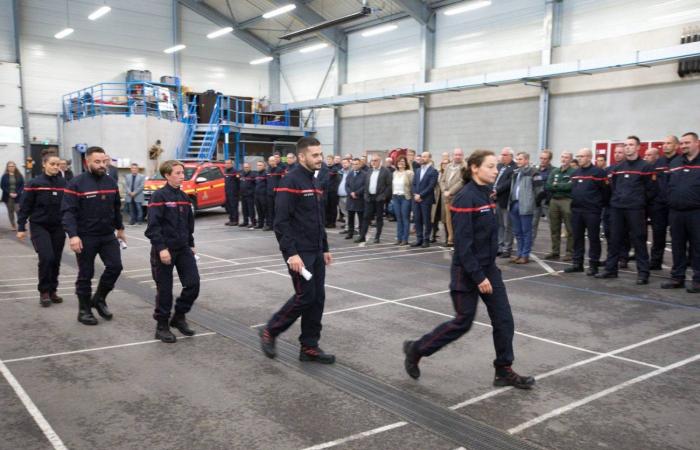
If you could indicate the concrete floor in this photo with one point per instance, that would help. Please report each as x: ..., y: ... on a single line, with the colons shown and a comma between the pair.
x: 616, y: 363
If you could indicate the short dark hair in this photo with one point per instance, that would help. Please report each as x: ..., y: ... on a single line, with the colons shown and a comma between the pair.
x: 134, y: 164
x: 45, y: 156
x: 306, y: 142
x: 94, y: 149
x: 635, y: 138
x: 601, y: 156
x: 167, y: 167
x: 356, y: 159
x: 691, y: 133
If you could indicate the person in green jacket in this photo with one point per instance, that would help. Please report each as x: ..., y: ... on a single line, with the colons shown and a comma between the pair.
x: 559, y: 185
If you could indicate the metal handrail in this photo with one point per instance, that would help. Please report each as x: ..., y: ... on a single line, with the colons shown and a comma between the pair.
x: 208, y: 147
x: 127, y: 98
x: 190, y: 127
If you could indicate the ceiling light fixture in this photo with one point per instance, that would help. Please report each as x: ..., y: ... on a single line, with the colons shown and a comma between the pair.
x: 221, y: 32
x: 469, y: 6
x: 279, y: 11
x: 379, y: 30
x: 313, y: 48
x: 63, y: 33
x: 263, y: 60
x: 174, y: 48
x: 99, y: 12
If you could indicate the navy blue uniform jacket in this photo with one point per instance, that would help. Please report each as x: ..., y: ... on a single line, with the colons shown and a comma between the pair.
x: 476, y: 230
x: 589, y: 189
x: 633, y: 184
x: 41, y: 201
x: 261, y: 183
x: 247, y: 183
x: 684, y: 183
x: 91, y: 206
x: 232, y: 182
x: 299, y: 219
x: 170, y: 220
x: 274, y: 177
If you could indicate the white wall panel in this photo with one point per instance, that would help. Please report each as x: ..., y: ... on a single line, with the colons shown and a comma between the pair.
x: 378, y: 132
x: 384, y: 55
x: 7, y: 32
x: 487, y: 126
x: 302, y: 75
x: 506, y: 27
x: 650, y: 112
x: 591, y: 20
x: 222, y: 64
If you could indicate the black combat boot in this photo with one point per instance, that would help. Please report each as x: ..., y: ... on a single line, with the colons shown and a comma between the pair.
x: 99, y: 302
x: 592, y: 269
x: 315, y: 354
x: 574, y: 268
x: 55, y: 298
x: 178, y: 321
x: 44, y: 299
x: 267, y: 343
x: 505, y: 376
x: 84, y: 312
x: 163, y: 332
x: 412, y: 359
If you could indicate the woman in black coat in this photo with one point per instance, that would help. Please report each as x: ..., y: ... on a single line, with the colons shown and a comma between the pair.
x: 12, y: 185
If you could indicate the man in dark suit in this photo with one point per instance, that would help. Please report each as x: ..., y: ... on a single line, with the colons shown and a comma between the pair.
x: 112, y: 171
x: 424, y: 182
x: 501, y: 194
x: 355, y: 188
x: 377, y: 190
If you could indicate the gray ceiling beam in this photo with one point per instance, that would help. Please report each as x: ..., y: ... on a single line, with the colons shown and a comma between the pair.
x: 308, y: 16
x: 417, y: 9
x: 222, y: 20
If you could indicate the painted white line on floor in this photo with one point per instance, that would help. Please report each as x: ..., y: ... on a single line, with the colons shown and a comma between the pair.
x: 579, y: 364
x: 550, y: 373
x: 357, y: 436
x: 544, y: 265
x: 34, y: 290
x: 128, y: 236
x: 38, y: 417
x: 571, y: 406
x: 97, y: 349
x: 327, y: 313
x: 216, y: 258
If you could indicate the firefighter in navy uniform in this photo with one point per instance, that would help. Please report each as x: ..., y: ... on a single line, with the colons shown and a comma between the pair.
x: 261, y: 194
x: 299, y: 226
x: 274, y: 176
x: 91, y: 211
x: 474, y: 273
x: 41, y: 205
x: 684, y: 218
x: 247, y: 185
x: 633, y: 186
x: 589, y: 193
x: 171, y: 232
x: 232, y: 186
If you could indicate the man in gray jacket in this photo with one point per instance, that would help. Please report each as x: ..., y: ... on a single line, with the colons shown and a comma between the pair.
x: 133, y: 194
x: 521, y: 206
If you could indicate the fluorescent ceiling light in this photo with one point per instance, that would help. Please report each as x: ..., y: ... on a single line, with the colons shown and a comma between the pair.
x: 175, y: 48
x: 278, y: 11
x: 313, y: 48
x: 469, y: 6
x: 221, y: 32
x: 255, y: 62
x: 379, y: 30
x: 99, y: 12
x: 63, y: 33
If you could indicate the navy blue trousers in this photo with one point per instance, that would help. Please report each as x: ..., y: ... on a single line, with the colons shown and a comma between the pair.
x: 48, y: 243
x: 107, y: 247
x: 685, y: 240
x: 465, y: 297
x: 630, y: 224
x: 421, y: 218
x: 659, y: 225
x: 308, y: 302
x: 584, y: 222
x: 187, y: 271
